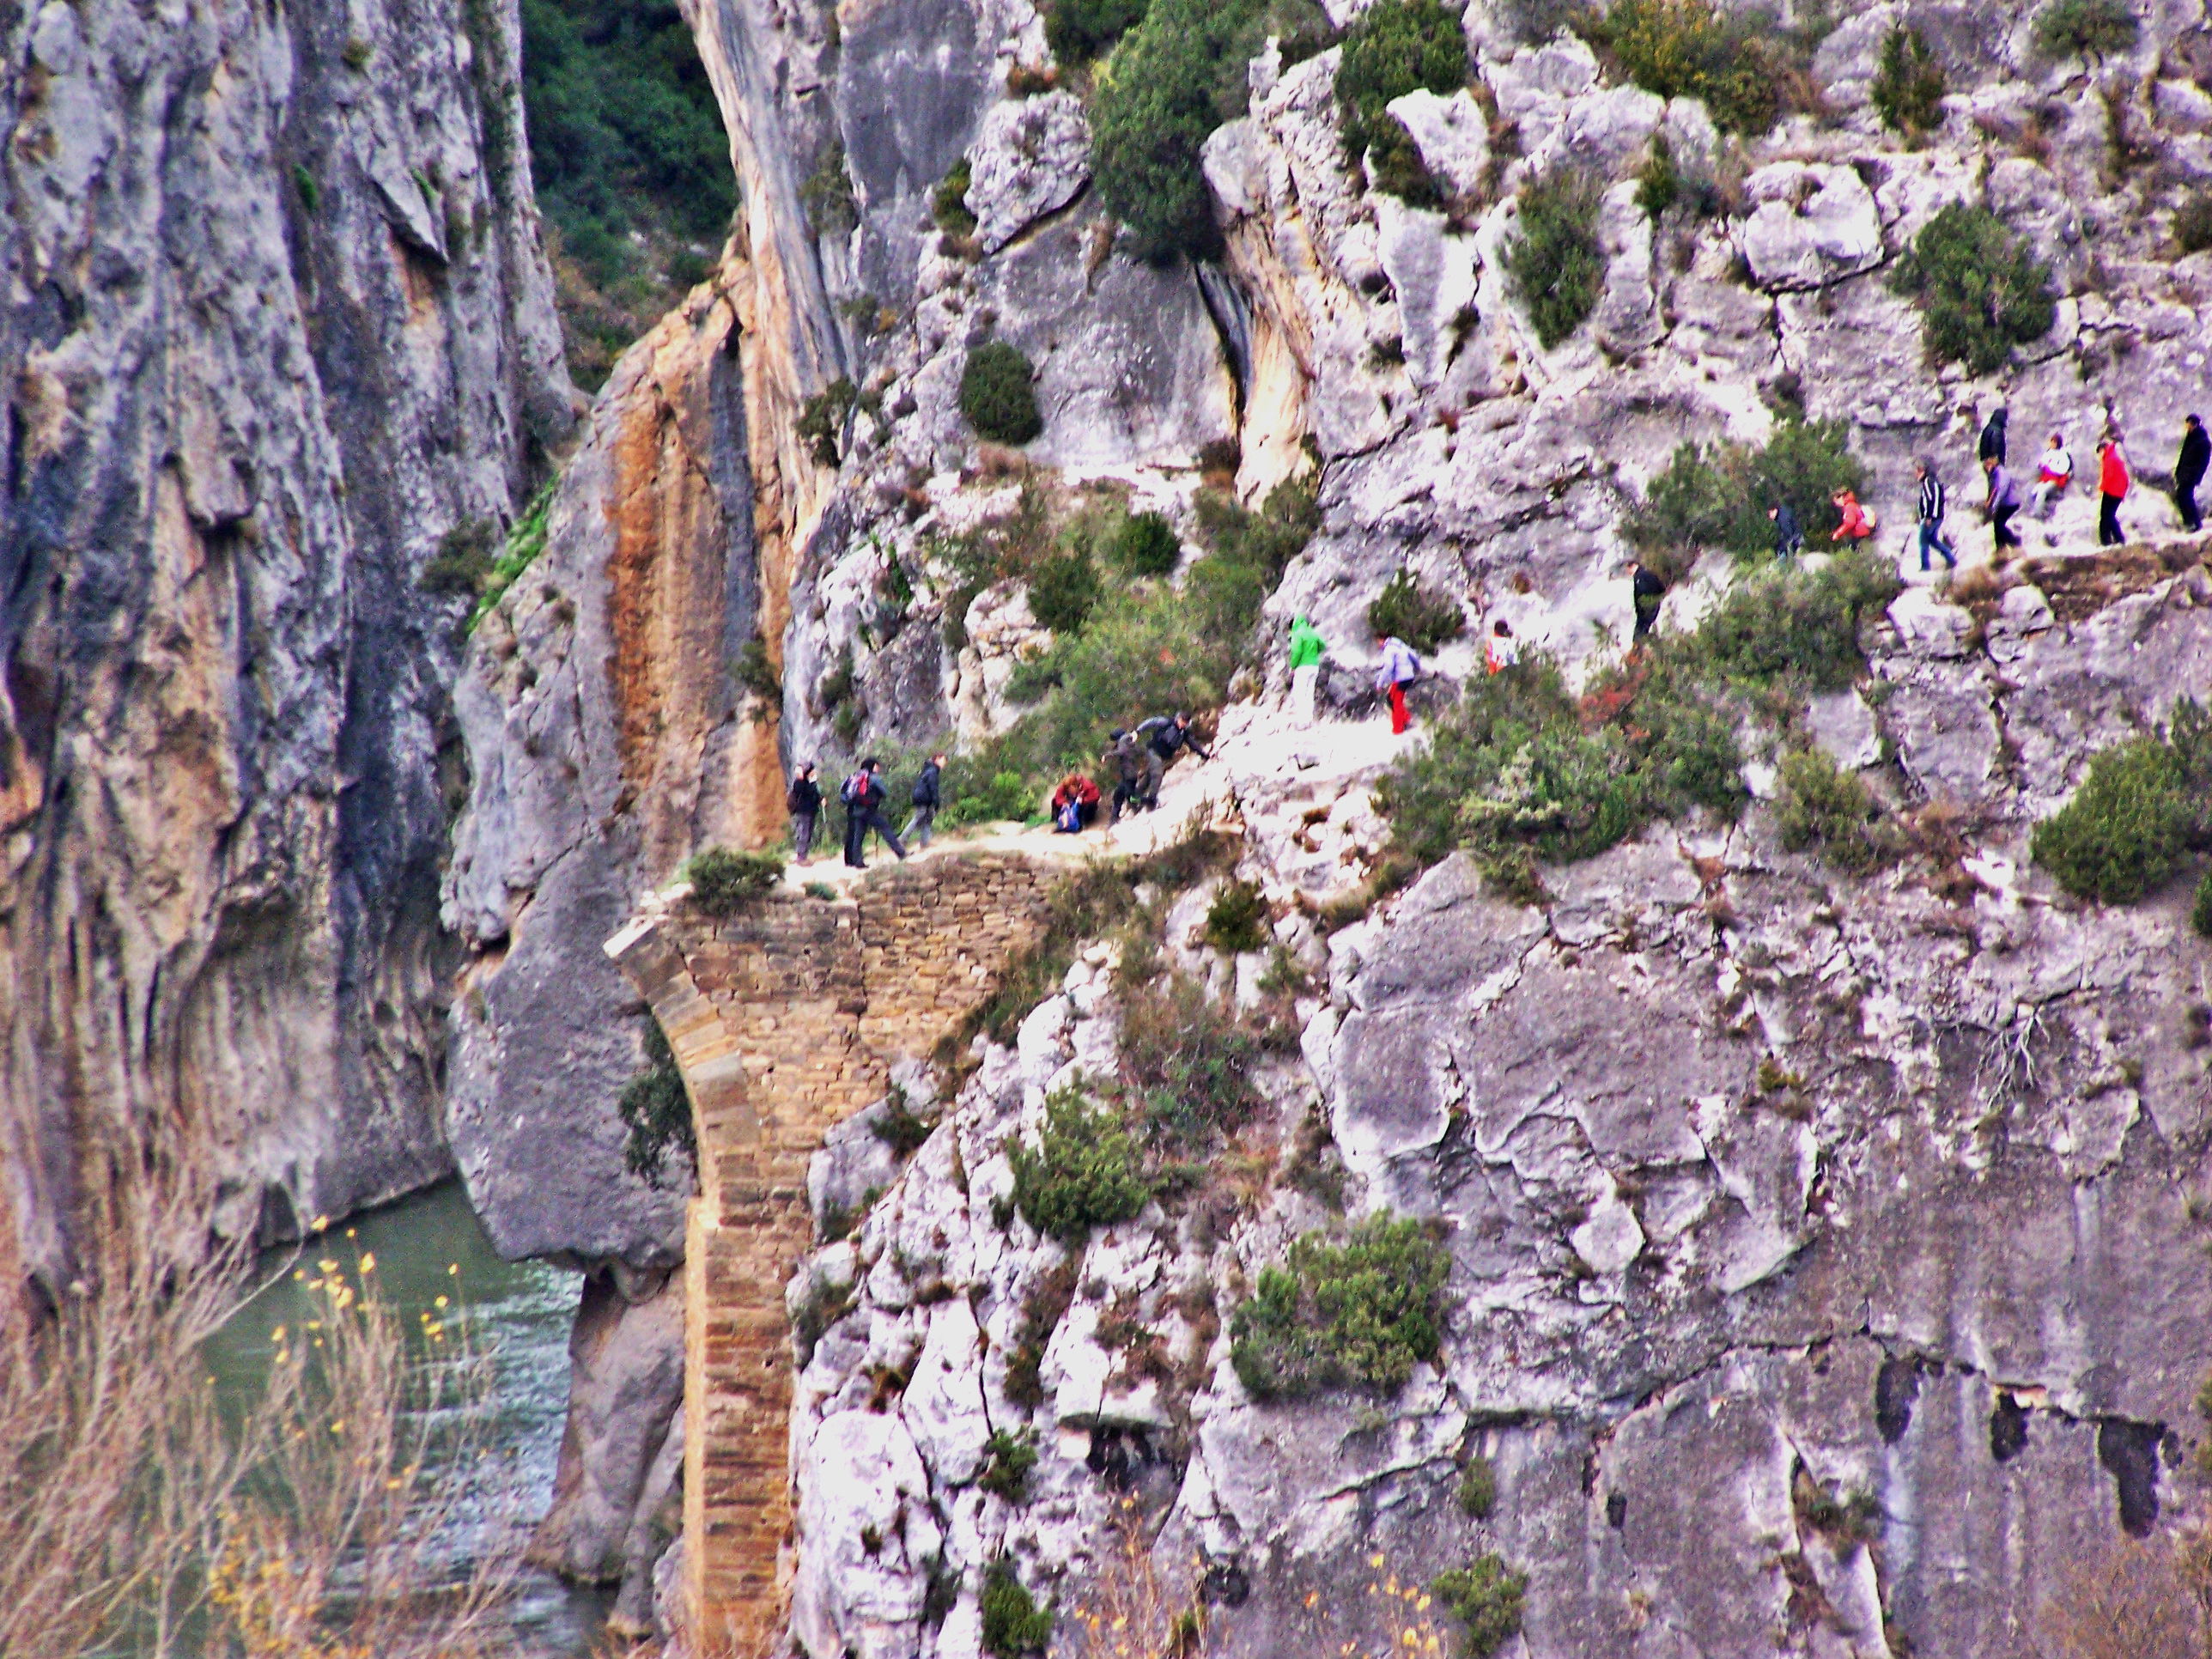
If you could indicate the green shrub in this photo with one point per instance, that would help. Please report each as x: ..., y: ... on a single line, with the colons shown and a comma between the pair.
x: 724, y: 881
x: 1080, y: 30
x: 1146, y: 544
x: 821, y: 419
x: 1487, y: 1597
x: 656, y: 1112
x: 1909, y: 85
x: 997, y: 396
x: 1237, y: 919
x: 1659, y: 181
x: 899, y: 1127
x: 1556, y: 267
x: 1085, y: 1172
x: 1717, y: 495
x: 1781, y: 624
x: 1007, y: 1459
x: 1478, y: 1487
x: 1407, y: 610
x: 2084, y: 28
x: 948, y: 203
x: 760, y: 679
x: 1013, y: 1624
x: 1824, y: 808
x: 1519, y: 770
x: 2192, y: 221
x: 2200, y: 914
x: 2127, y: 827
x: 832, y: 208
x: 1267, y: 540
x: 1981, y: 290
x: 1063, y: 588
x: 1189, y: 1060
x: 1359, y: 1314
x: 462, y: 563
x: 1044, y: 1306
x: 524, y: 542
x: 1397, y: 46
x: 1690, y: 49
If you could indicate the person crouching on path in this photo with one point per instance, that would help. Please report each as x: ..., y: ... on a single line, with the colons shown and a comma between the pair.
x: 1932, y: 505
x: 1307, y: 648
x: 928, y: 795
x: 2003, y: 503
x: 2188, y: 471
x: 863, y: 795
x: 1164, y: 739
x: 1855, y: 523
x: 1399, y: 668
x: 1074, y: 804
x: 803, y: 803
x: 2112, y: 482
x: 1125, y: 764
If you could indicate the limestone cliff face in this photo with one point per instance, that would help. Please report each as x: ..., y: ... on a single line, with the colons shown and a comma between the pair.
x: 275, y: 318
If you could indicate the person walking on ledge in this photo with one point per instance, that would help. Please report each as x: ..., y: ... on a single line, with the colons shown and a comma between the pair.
x: 1399, y: 668
x: 2003, y: 503
x: 926, y: 794
x: 1165, y: 738
x: 1125, y: 766
x: 1646, y: 594
x: 2112, y: 482
x: 1931, y: 516
x: 2188, y: 471
x: 1306, y: 652
x: 863, y: 795
x: 803, y: 803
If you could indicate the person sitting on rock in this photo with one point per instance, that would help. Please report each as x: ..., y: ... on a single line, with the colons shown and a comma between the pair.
x: 1164, y: 739
x: 2003, y: 503
x: 1788, y: 535
x: 1074, y: 804
x: 2054, y: 472
x: 1501, y: 651
x: 1647, y: 593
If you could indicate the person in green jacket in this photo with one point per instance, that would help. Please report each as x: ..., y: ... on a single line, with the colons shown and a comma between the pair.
x: 1306, y: 652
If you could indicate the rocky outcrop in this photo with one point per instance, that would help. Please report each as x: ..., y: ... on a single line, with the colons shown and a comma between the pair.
x: 275, y: 320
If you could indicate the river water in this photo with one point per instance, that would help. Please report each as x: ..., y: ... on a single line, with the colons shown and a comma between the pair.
x: 432, y: 1262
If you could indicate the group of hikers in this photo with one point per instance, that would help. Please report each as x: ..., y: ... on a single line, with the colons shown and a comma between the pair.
x: 862, y: 796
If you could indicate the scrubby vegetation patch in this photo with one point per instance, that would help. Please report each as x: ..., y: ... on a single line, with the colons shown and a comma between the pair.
x: 1360, y: 1314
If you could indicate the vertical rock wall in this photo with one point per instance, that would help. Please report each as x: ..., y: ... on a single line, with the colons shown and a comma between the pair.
x: 274, y: 319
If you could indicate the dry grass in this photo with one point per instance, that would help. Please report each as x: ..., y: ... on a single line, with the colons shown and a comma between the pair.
x: 2141, y: 1601
x: 1133, y: 1614
x: 141, y: 1513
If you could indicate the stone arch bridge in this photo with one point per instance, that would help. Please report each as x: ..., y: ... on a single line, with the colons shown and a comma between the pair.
x: 786, y: 1018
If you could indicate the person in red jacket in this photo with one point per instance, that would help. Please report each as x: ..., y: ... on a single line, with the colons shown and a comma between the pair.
x: 2112, y: 481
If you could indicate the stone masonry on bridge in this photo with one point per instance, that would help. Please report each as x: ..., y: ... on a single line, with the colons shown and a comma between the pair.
x: 786, y: 1018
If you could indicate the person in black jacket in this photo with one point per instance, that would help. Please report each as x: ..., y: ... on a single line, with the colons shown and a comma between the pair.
x: 803, y: 803
x: 926, y: 798
x: 1164, y: 738
x: 863, y: 795
x: 2188, y: 471
x: 1125, y: 766
x: 1788, y: 535
x: 1648, y: 595
x: 1994, y: 436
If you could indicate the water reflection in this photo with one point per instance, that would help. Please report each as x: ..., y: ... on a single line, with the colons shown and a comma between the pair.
x: 437, y: 1271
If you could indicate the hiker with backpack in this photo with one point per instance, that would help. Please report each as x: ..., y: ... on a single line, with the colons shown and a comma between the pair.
x: 863, y: 794
x: 803, y: 801
x: 1398, y: 669
x: 1125, y: 764
x: 927, y: 795
x: 1165, y: 738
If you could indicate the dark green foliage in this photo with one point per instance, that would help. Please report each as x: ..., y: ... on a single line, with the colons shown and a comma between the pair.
x: 1909, y: 85
x: 1237, y: 919
x: 311, y: 193
x: 462, y: 563
x: 759, y: 678
x: 1555, y: 262
x: 1080, y: 30
x: 2200, y: 914
x: 524, y: 544
x: 2144, y: 804
x: 2192, y: 221
x: 2082, y: 28
x: 1487, y: 1597
x: 1013, y: 1624
x: 1008, y: 1459
x: 724, y: 881
x: 1691, y: 49
x: 656, y: 1112
x: 624, y: 135
x: 1043, y: 1308
x: 1407, y: 610
x: 1848, y: 1518
x: 1659, y: 182
x: 1825, y: 809
x: 899, y: 1128
x: 1063, y: 588
x: 1144, y: 544
x: 996, y: 394
x: 948, y: 203
x: 1478, y: 1486
x: 1520, y: 770
x: 1717, y: 495
x: 1397, y: 46
x: 1189, y: 1060
x: 1778, y: 624
x: 832, y: 208
x: 1085, y: 1172
x: 979, y: 791
x: 1357, y: 1315
x: 821, y: 419
x: 1981, y: 290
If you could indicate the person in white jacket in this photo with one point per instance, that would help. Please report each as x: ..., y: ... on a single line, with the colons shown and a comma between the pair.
x: 1399, y: 668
